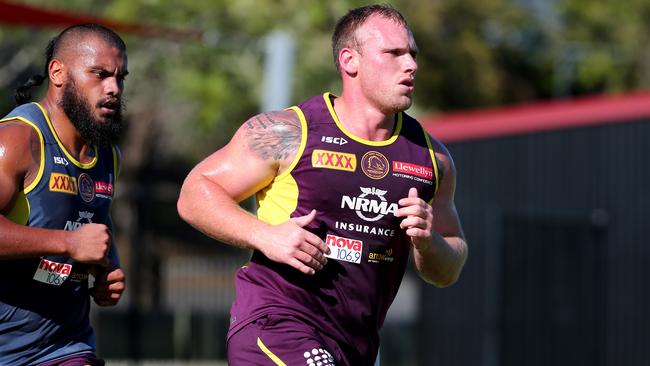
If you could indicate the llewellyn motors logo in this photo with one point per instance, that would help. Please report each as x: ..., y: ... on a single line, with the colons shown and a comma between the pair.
x: 374, y: 165
x: 413, y: 169
x: 104, y: 190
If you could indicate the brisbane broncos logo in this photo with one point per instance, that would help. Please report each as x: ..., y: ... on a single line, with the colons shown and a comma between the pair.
x: 374, y: 165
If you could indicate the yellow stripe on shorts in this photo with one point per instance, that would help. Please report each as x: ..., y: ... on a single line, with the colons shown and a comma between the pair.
x: 268, y: 352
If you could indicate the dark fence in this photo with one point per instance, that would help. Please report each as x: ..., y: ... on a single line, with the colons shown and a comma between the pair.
x: 557, y: 274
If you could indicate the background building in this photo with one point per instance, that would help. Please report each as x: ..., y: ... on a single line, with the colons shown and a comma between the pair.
x: 553, y: 199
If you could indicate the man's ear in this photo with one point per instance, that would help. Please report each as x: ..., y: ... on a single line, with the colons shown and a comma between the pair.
x: 57, y: 72
x: 349, y: 61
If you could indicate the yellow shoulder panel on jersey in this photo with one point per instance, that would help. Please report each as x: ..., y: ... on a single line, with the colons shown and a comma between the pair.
x: 303, y: 141
x: 278, y: 201
x: 19, y: 214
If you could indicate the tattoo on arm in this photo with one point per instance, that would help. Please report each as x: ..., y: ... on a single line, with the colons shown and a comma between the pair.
x: 274, y: 136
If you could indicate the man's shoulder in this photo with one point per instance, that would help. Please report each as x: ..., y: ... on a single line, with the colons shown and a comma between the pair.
x: 17, y: 131
x: 318, y: 100
x: 20, y: 147
x: 24, y: 121
x: 273, y: 121
x: 272, y: 136
x: 28, y: 111
x: 412, y: 121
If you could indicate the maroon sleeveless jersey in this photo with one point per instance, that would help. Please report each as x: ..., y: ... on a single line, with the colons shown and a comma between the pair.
x: 355, y: 185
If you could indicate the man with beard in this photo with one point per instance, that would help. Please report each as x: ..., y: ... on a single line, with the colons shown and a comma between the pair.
x: 58, y: 165
x: 347, y: 187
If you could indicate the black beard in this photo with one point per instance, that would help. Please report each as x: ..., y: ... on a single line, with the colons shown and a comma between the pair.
x: 92, y: 130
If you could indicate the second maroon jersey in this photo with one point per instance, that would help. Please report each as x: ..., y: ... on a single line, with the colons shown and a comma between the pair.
x: 355, y: 185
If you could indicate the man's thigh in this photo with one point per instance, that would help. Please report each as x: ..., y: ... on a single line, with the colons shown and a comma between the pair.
x: 279, y: 340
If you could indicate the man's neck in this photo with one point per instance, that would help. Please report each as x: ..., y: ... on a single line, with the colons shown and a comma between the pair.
x: 66, y: 132
x: 363, y: 120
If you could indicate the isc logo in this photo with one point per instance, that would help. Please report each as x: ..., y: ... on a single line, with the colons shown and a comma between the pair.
x: 334, y: 140
x: 60, y: 160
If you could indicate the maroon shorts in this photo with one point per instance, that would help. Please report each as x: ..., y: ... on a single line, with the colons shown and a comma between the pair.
x: 282, y: 340
x: 75, y: 360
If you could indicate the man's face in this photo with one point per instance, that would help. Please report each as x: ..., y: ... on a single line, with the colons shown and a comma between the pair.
x: 92, y: 93
x: 387, y: 64
x: 95, y: 128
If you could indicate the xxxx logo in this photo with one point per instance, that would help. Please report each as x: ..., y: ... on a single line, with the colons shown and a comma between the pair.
x: 63, y: 183
x: 333, y: 160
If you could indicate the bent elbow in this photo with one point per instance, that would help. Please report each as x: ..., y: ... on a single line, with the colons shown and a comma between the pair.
x: 443, y: 277
x: 452, y: 274
x: 446, y: 281
x: 183, y: 208
x: 440, y: 280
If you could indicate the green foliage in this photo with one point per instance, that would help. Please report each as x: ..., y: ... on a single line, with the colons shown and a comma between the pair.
x: 473, y: 53
x: 470, y: 53
x: 610, y: 37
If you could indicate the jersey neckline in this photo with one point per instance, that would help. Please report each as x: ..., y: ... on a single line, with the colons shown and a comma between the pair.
x: 65, y: 151
x: 396, y: 130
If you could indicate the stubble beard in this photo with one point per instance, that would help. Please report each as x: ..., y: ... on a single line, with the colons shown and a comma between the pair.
x: 387, y: 100
x: 395, y: 104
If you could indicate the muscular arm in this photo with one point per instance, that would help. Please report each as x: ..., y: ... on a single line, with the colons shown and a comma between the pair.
x: 439, y: 245
x: 19, y: 163
x: 19, y: 160
x: 262, y: 148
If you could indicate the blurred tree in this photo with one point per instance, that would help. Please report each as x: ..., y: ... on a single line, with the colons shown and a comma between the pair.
x: 185, y: 99
x: 209, y: 88
x: 472, y: 53
x: 188, y: 98
x: 607, y: 41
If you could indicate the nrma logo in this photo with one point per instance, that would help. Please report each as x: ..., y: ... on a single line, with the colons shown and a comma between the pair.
x: 369, y: 209
x: 74, y: 225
